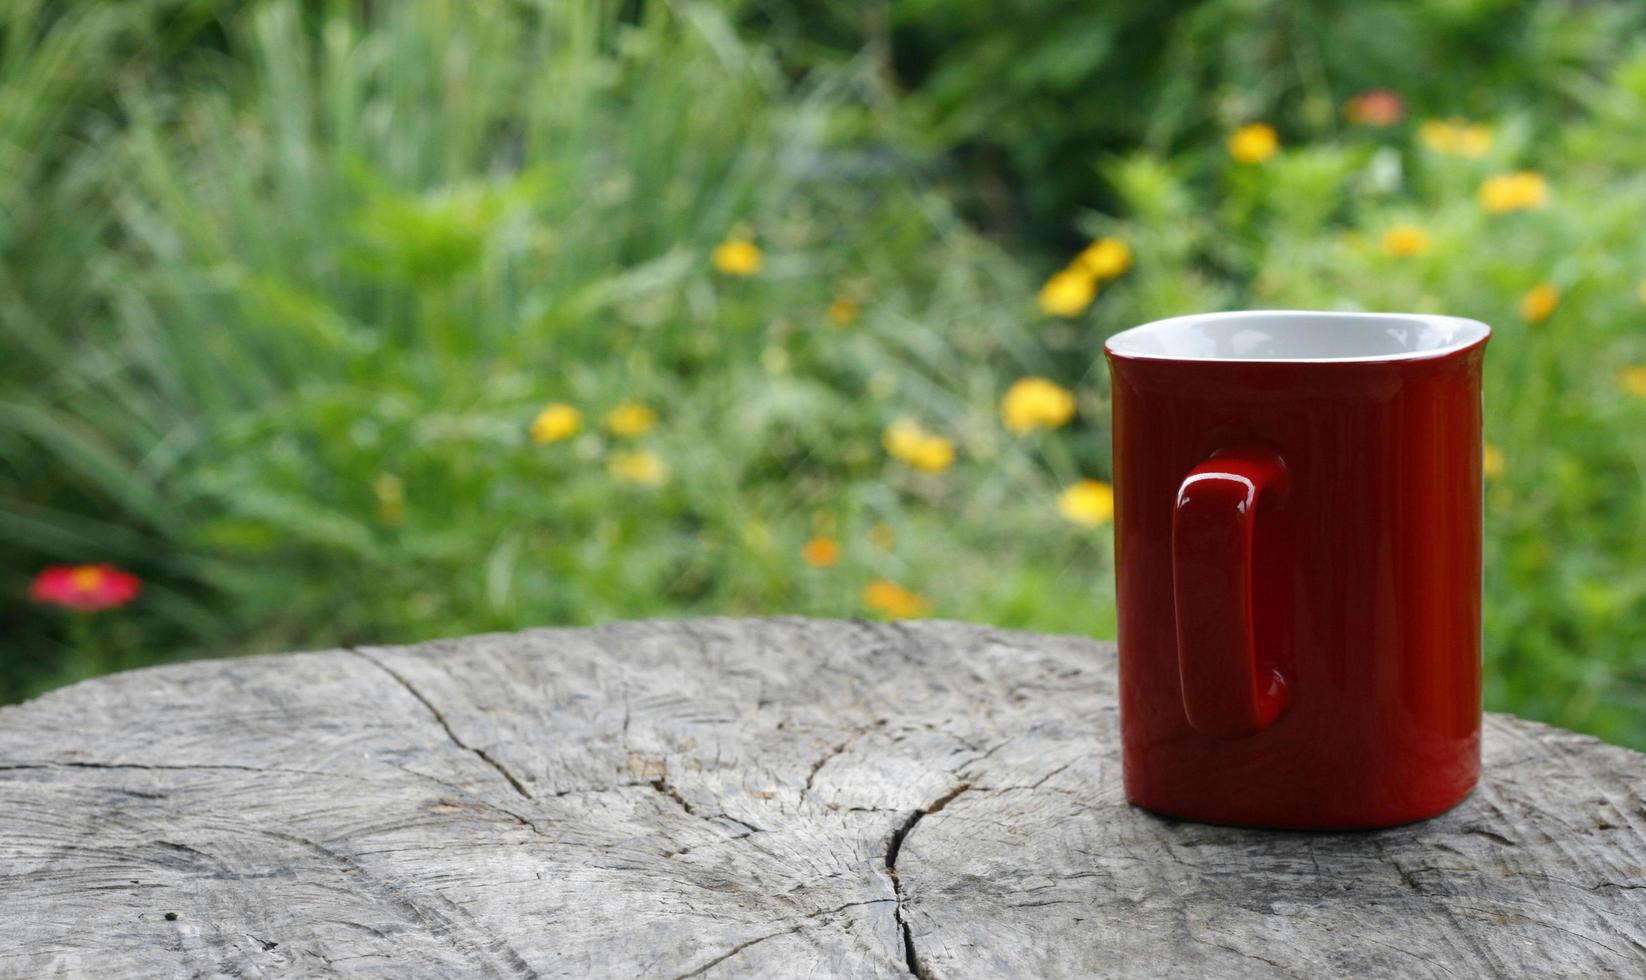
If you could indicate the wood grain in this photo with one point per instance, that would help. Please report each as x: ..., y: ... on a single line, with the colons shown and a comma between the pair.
x: 754, y: 798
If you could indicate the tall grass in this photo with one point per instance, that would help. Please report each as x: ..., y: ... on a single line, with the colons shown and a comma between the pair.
x: 351, y: 259
x: 54, y: 67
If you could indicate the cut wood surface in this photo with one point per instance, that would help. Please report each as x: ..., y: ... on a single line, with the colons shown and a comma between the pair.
x: 772, y: 798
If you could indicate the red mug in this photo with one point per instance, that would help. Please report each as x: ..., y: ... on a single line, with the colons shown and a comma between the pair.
x: 1297, y: 541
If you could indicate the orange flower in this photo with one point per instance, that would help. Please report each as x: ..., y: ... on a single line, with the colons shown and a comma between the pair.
x: 1376, y: 107
x: 1254, y: 143
x: 893, y: 600
x: 821, y: 552
x: 84, y: 588
x: 1541, y: 301
x: 1404, y: 240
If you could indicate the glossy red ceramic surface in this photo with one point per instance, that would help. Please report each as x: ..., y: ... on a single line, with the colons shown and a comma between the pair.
x: 1299, y: 584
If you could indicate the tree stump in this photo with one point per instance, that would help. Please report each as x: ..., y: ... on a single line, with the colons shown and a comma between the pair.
x: 766, y: 798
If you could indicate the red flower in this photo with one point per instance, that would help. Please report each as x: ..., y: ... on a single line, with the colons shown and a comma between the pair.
x: 1375, y: 107
x: 84, y: 588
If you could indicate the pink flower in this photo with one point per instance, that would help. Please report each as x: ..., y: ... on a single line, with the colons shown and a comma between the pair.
x: 84, y: 588
x: 1375, y: 107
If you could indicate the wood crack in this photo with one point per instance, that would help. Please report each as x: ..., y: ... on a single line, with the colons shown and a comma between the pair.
x: 893, y: 848
x: 834, y: 752
x: 480, y: 753
x: 740, y: 947
x: 662, y: 786
x: 1277, y: 966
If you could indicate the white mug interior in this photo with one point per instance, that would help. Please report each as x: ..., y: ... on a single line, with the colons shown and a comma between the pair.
x: 1298, y: 335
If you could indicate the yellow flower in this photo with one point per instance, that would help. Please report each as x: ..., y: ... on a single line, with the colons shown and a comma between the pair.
x: 1438, y: 136
x: 556, y: 422
x: 1036, y: 403
x: 843, y: 311
x: 1253, y: 143
x: 894, y: 600
x: 643, y: 469
x: 1541, y: 301
x: 1068, y: 293
x: 737, y: 257
x: 882, y: 536
x: 1492, y: 462
x: 630, y: 419
x: 1514, y: 192
x: 1089, y: 503
x: 903, y: 438
x: 1105, y: 258
x: 1474, y: 141
x: 935, y: 455
x: 1633, y: 379
x: 821, y: 552
x: 1403, y: 240
x: 917, y: 447
x: 391, y: 499
x: 1456, y: 137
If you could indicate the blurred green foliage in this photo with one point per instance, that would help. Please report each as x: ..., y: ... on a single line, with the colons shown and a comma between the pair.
x: 346, y: 261
x: 1031, y: 96
x: 283, y: 287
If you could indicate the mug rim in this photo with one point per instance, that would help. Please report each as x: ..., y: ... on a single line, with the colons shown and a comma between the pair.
x: 1464, y: 333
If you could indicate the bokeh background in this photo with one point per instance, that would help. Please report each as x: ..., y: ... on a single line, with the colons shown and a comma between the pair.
x: 372, y: 321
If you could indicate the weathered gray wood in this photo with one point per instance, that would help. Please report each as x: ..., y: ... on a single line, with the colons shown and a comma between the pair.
x: 763, y: 798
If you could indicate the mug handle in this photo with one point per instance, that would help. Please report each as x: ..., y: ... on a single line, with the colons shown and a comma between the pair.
x: 1227, y: 692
